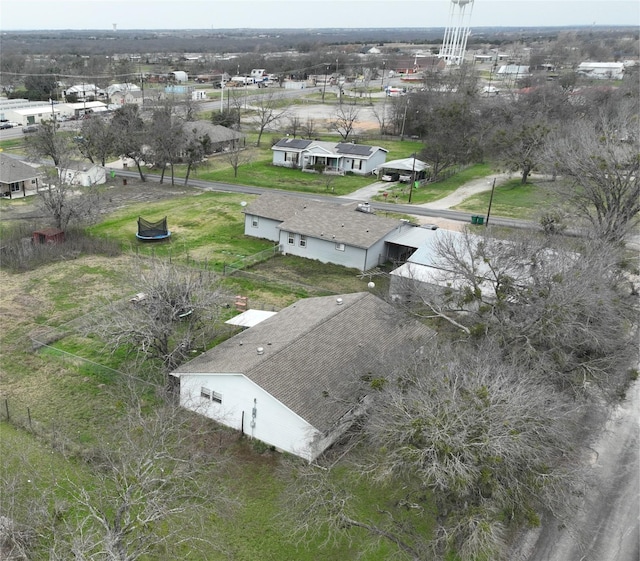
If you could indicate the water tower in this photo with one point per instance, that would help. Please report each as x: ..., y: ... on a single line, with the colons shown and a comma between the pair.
x: 454, y: 43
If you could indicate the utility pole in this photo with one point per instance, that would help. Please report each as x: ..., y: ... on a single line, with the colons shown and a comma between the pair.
x: 324, y: 86
x: 413, y: 176
x: 404, y: 118
x: 493, y: 188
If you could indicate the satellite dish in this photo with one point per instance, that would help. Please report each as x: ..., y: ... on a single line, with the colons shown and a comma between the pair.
x: 371, y: 285
x: 243, y: 203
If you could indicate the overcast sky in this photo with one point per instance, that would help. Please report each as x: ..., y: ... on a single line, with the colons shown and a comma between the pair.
x: 231, y: 14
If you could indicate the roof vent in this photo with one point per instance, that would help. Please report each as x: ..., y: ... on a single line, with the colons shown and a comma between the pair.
x: 260, y: 350
x: 339, y: 301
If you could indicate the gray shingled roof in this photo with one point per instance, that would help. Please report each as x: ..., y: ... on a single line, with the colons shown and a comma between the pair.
x: 311, y: 348
x: 217, y: 133
x: 13, y: 170
x: 338, y: 222
x: 276, y: 206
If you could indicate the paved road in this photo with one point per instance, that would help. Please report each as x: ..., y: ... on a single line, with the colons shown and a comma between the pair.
x: 415, y: 210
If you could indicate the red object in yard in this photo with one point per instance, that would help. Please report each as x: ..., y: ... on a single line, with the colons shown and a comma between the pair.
x: 48, y: 235
x: 385, y: 195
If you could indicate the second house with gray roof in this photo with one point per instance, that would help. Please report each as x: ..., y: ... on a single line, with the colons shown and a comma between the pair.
x: 348, y: 234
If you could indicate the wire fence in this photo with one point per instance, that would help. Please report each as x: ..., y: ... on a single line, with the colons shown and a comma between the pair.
x: 240, y: 264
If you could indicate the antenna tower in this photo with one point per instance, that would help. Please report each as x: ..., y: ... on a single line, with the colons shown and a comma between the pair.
x: 454, y: 43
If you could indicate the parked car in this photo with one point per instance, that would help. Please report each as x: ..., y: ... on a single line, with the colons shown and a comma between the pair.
x: 6, y: 126
x: 390, y: 177
x: 30, y: 128
x: 405, y: 178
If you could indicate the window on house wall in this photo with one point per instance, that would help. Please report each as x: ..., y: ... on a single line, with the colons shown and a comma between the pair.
x: 356, y: 164
x: 303, y: 241
x: 15, y: 187
x: 292, y: 238
x: 208, y: 394
x: 254, y: 221
x: 340, y: 247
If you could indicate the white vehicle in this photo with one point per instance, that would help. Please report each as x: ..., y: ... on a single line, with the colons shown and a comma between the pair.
x: 395, y: 92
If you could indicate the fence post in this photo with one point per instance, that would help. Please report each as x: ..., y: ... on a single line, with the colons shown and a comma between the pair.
x: 6, y: 406
x: 29, y: 416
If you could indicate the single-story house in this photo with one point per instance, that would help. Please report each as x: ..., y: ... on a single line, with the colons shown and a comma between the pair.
x: 126, y: 87
x: 127, y: 97
x: 84, y: 91
x: 405, y: 169
x: 602, y: 70
x: 17, y: 178
x: 348, y: 234
x: 426, y: 271
x: 289, y: 380
x: 215, y: 138
x: 84, y: 174
x: 337, y: 158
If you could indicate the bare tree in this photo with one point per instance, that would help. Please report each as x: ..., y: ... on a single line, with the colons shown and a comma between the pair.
x: 166, y: 138
x: 452, y: 435
x: 236, y: 157
x: 309, y: 128
x: 380, y: 112
x: 67, y: 204
x: 146, y: 482
x: 534, y: 296
x: 176, y: 311
x: 46, y: 142
x: 344, y: 121
x: 598, y: 160
x: 519, y: 146
x: 158, y: 469
x: 266, y: 112
x: 195, y: 152
x: 96, y: 142
x: 294, y: 125
x: 129, y: 132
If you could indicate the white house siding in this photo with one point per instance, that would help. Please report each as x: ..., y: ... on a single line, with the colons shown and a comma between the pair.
x: 266, y: 228
x: 273, y: 423
x: 286, y: 159
x: 94, y: 175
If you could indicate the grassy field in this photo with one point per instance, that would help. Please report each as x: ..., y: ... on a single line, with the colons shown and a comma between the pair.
x: 514, y: 199
x: 64, y: 398
x: 434, y: 191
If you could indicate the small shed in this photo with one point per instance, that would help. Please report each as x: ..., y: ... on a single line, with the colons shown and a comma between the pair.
x: 48, y: 235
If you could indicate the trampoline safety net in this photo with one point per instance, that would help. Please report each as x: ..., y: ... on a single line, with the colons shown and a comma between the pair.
x: 148, y: 229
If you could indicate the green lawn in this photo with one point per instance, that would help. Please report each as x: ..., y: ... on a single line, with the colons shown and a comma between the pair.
x: 434, y: 191
x: 513, y: 199
x: 205, y: 227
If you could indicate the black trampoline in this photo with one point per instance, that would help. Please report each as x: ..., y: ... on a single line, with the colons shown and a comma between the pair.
x: 152, y: 231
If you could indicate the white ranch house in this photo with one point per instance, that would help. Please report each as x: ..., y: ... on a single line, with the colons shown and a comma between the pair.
x: 338, y: 158
x: 288, y: 381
